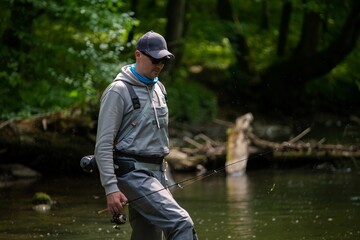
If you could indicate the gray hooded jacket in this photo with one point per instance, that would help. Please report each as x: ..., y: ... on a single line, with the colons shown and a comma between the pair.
x: 147, y: 137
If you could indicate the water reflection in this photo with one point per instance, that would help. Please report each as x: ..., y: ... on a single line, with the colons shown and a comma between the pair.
x: 239, y: 212
x: 269, y: 205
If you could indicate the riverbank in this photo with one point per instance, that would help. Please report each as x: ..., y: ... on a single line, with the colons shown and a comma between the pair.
x: 57, y: 151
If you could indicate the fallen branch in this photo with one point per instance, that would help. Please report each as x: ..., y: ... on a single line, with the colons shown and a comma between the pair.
x: 301, y: 135
x: 205, y: 150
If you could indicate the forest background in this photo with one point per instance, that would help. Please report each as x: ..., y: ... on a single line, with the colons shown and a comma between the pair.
x: 278, y: 58
x: 286, y: 59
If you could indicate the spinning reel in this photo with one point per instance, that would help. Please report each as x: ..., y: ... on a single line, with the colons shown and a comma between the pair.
x: 119, y: 219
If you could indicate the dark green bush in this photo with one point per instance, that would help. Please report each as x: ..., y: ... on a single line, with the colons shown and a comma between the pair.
x: 191, y: 102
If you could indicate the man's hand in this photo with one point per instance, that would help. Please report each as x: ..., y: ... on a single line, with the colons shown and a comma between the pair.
x: 116, y: 202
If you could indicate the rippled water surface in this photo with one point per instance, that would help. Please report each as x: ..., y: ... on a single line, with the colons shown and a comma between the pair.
x: 269, y: 205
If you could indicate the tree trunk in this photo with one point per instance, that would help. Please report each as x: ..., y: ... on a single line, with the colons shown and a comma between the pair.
x: 133, y: 8
x: 174, y: 33
x: 265, y: 15
x: 284, y: 28
x: 286, y: 79
x: 310, y: 34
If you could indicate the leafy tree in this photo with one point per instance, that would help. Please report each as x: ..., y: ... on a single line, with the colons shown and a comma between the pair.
x: 58, y: 53
x: 318, y: 52
x: 274, y: 64
x: 279, y: 55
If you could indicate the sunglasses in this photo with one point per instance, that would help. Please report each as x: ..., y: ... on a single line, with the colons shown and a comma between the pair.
x: 156, y: 61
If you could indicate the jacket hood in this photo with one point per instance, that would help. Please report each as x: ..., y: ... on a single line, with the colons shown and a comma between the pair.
x: 126, y: 75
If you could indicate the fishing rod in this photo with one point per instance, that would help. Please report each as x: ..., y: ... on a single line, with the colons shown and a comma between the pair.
x: 207, y: 174
x: 121, y: 218
x: 191, y: 180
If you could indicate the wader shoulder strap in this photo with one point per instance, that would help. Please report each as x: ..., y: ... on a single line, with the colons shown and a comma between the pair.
x: 134, y: 122
x: 134, y: 98
x: 136, y: 103
x: 162, y: 87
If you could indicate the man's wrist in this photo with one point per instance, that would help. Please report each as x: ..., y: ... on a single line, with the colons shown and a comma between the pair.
x: 111, y: 189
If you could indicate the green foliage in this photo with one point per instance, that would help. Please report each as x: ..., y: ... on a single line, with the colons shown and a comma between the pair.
x: 340, y: 89
x: 218, y: 55
x: 60, y: 54
x: 205, y: 46
x: 190, y: 101
x: 54, y: 54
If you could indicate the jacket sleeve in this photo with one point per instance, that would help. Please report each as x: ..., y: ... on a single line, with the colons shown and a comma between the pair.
x: 109, y: 121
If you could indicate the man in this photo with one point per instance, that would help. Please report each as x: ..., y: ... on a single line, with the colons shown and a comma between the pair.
x: 132, y: 142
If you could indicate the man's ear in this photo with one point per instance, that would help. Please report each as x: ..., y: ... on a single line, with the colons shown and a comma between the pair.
x: 137, y: 53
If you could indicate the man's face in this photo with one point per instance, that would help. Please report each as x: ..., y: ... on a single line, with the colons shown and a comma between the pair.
x: 148, y: 66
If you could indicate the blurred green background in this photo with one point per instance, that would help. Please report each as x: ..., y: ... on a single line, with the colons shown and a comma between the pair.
x: 283, y: 58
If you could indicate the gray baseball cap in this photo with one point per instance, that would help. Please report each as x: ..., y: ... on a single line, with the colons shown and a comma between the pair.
x: 154, y: 45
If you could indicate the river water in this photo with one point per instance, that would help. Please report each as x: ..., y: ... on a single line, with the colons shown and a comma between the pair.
x: 263, y: 204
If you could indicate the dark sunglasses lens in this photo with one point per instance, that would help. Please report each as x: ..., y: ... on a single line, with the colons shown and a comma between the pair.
x: 162, y: 60
x: 155, y: 61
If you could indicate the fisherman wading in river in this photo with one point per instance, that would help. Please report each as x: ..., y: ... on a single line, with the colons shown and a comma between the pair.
x: 132, y: 141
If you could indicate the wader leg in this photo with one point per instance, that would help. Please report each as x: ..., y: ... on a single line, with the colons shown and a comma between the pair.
x: 142, y: 228
x: 156, y: 205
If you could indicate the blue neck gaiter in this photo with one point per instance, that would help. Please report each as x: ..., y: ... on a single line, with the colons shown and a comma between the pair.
x: 142, y: 78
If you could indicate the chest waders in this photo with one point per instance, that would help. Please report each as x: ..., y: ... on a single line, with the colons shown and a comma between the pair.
x: 125, y: 163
